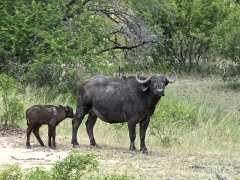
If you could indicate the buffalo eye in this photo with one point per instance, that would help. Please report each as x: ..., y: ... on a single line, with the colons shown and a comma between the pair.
x: 154, y: 83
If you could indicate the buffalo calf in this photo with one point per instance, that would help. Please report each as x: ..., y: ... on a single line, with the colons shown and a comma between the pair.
x: 38, y: 115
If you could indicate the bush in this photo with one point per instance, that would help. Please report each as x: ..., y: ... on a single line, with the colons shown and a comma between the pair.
x: 14, y: 112
x: 74, y: 166
x: 168, y: 115
x: 11, y: 172
x: 37, y: 174
x: 13, y: 108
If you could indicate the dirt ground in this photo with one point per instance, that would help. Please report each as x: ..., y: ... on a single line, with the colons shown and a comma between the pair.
x: 158, y: 165
x: 14, y: 151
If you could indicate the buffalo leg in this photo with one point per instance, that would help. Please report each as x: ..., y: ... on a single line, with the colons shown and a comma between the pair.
x: 36, y: 133
x: 143, y: 128
x: 89, y: 126
x: 29, y: 130
x: 53, y: 139
x: 77, y: 120
x: 132, y: 135
x: 51, y: 136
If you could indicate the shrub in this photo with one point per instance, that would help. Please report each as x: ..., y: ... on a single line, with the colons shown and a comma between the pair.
x: 13, y: 108
x: 11, y: 172
x: 37, y: 174
x: 14, y: 112
x: 74, y: 166
x: 168, y: 115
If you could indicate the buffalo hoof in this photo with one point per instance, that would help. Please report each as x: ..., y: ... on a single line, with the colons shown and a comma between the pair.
x: 76, y: 146
x: 50, y: 147
x: 96, y: 146
x: 134, y: 152
x: 28, y: 147
x: 146, y: 152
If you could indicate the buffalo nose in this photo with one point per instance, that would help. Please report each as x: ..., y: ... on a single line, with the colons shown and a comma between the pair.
x: 160, y: 91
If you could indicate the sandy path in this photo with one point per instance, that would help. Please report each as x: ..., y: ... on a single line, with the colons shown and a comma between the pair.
x: 13, y: 150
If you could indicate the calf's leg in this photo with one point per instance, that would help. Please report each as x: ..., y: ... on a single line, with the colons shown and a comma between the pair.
x: 51, y: 136
x: 36, y: 133
x: 29, y: 130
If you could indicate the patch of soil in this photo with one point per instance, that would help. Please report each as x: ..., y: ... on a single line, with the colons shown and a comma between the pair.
x: 13, y: 150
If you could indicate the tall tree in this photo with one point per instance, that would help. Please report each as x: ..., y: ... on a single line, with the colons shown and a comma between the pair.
x: 226, y: 37
x: 186, y: 26
x: 49, y: 39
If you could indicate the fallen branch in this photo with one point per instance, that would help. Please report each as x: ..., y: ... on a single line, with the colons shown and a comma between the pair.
x: 27, y: 158
x: 217, y: 174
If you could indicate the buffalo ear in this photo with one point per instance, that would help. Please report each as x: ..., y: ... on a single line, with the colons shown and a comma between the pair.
x: 145, y: 86
x: 61, y: 106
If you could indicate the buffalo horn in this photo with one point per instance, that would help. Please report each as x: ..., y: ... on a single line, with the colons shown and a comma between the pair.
x: 142, y: 81
x: 173, y: 79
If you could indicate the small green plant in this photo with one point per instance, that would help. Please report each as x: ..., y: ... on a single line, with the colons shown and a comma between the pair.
x: 14, y: 112
x: 37, y: 174
x: 7, y: 85
x: 74, y: 166
x: 13, y: 108
x: 171, y: 114
x: 11, y: 172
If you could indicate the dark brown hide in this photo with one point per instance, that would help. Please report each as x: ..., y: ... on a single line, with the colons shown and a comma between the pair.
x: 38, y: 115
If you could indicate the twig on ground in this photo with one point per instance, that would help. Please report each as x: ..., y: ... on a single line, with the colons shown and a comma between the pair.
x: 27, y: 158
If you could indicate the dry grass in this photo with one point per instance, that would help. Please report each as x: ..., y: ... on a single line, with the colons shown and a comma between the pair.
x: 211, y: 147
x: 193, y: 153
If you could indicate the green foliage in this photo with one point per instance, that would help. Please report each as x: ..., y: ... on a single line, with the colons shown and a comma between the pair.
x: 11, y: 172
x: 7, y: 85
x: 41, y: 42
x: 37, y: 174
x: 186, y: 28
x: 169, y: 114
x: 59, y: 43
x: 74, y: 166
x: 226, y: 37
x: 175, y: 112
x: 14, y: 113
x: 73, y: 40
x: 13, y: 108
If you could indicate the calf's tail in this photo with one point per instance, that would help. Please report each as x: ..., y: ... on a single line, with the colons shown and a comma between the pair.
x: 27, y: 122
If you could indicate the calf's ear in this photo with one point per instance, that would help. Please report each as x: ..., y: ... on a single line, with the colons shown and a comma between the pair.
x: 67, y: 108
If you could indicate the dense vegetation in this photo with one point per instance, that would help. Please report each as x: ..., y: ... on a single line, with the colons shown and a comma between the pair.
x: 58, y: 43
x: 75, y: 166
x: 48, y: 47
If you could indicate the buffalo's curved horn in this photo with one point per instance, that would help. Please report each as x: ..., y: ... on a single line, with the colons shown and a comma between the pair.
x: 173, y: 79
x: 141, y: 81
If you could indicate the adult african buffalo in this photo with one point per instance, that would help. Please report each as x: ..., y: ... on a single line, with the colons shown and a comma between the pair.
x: 116, y: 100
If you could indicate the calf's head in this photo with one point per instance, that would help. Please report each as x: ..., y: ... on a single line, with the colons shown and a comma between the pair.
x: 156, y: 83
x: 68, y: 110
